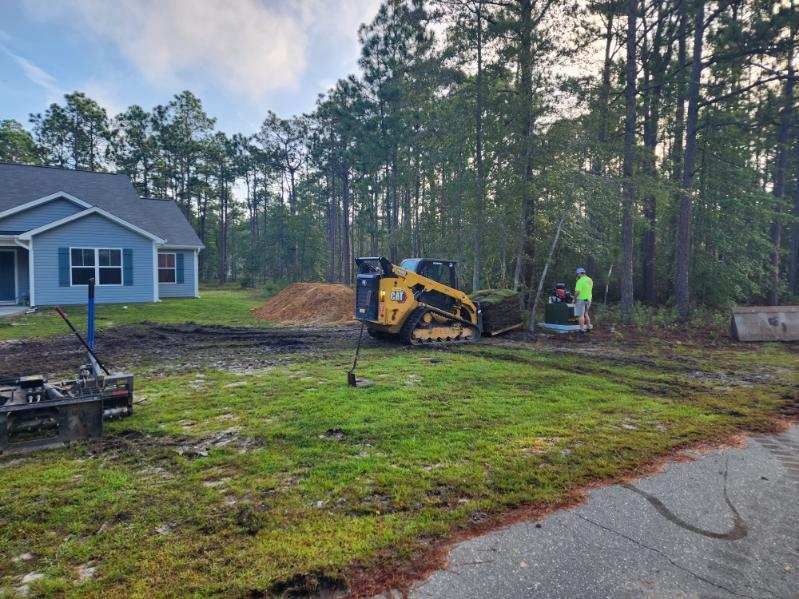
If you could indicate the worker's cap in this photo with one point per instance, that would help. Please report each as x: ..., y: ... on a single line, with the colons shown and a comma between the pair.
x: 580, y: 271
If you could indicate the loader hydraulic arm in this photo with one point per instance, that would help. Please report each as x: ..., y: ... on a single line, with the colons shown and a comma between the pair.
x: 421, y: 284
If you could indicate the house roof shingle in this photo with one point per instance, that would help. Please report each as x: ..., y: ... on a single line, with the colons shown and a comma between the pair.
x: 20, y: 184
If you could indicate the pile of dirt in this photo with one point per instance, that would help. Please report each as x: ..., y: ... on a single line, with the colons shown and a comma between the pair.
x: 310, y: 303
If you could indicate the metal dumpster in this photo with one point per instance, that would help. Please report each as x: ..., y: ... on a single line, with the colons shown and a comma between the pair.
x: 765, y: 323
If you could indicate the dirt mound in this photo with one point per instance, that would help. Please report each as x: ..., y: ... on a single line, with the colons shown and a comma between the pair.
x: 310, y: 303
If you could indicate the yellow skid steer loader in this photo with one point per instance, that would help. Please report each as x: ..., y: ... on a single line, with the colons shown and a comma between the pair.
x: 418, y: 301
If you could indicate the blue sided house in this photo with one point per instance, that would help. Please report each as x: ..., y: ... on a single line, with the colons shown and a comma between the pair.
x: 59, y: 228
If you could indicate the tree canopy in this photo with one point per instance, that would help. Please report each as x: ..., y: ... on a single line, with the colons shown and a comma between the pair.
x: 664, y: 132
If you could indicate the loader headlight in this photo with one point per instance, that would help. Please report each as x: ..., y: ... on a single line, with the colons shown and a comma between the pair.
x: 382, y: 295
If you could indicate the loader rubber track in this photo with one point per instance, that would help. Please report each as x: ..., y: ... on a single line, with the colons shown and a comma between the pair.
x: 411, y: 323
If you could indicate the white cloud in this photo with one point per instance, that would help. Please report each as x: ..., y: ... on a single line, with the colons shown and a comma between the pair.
x: 105, y: 95
x: 339, y: 18
x: 247, y: 46
x: 251, y: 47
x: 36, y: 74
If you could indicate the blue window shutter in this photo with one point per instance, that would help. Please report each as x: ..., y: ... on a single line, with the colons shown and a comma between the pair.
x: 127, y: 267
x: 63, y: 267
x: 179, y: 268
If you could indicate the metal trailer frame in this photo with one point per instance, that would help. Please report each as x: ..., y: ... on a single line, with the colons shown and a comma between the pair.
x: 61, y: 412
x: 37, y: 414
x: 67, y: 420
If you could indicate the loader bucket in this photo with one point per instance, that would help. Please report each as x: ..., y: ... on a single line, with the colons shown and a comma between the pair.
x: 765, y: 323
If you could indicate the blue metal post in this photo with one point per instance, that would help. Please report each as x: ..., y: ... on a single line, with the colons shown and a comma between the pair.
x: 90, y: 316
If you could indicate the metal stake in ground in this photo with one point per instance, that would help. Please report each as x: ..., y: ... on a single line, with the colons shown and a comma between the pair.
x: 351, y: 380
x: 63, y: 315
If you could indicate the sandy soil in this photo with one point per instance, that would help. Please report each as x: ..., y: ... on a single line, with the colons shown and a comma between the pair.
x: 310, y: 303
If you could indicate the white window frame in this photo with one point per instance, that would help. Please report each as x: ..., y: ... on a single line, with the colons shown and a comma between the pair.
x: 175, y: 268
x: 97, y: 267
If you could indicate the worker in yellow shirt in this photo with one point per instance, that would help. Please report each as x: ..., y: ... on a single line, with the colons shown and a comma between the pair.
x: 583, y: 289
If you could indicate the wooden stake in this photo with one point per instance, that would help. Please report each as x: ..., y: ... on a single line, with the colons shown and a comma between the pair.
x: 531, y: 326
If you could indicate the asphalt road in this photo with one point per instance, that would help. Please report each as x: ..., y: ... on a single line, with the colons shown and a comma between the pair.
x: 724, y: 525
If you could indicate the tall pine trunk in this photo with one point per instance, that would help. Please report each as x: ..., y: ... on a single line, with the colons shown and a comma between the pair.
x: 417, y: 202
x: 374, y: 226
x: 223, y: 231
x: 481, y: 186
x: 682, y: 253
x: 678, y: 146
x: 780, y: 169
x: 346, y: 254
x: 393, y: 208
x: 628, y: 167
x: 598, y: 162
x: 331, y: 210
x: 656, y: 66
x: 526, y: 260
x: 793, y: 264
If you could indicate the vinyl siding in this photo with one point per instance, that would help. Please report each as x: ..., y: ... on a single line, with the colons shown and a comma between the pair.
x: 93, y: 231
x: 39, y: 215
x: 176, y: 289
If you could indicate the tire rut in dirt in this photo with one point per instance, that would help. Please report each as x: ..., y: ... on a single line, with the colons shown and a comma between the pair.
x: 171, y: 346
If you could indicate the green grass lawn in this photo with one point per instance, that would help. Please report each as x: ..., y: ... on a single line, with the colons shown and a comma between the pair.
x: 215, y: 306
x: 225, y: 484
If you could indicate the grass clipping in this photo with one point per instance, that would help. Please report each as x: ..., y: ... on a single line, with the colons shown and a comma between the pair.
x: 310, y: 303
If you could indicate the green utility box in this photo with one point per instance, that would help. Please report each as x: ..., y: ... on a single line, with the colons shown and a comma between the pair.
x: 559, y: 318
x: 559, y: 313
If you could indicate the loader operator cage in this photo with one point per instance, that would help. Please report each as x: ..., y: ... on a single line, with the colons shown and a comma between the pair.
x: 443, y: 271
x: 373, y: 265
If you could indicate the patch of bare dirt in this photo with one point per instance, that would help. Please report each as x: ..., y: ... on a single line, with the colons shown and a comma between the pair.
x: 601, y: 355
x: 310, y: 303
x: 132, y: 442
x: 174, y: 348
x: 312, y: 584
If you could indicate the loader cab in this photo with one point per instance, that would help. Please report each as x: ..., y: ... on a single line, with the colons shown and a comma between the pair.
x: 443, y: 271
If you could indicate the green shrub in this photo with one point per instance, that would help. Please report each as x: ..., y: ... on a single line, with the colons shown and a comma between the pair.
x: 713, y: 322
x: 272, y: 287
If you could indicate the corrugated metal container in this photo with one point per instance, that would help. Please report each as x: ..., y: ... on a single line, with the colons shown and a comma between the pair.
x: 765, y: 323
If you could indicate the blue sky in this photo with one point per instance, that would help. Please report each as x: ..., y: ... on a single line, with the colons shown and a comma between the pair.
x: 241, y: 57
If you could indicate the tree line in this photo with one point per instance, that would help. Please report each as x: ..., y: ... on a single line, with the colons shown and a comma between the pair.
x: 665, y: 134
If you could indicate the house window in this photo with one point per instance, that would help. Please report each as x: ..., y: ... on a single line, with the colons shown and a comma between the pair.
x: 82, y: 265
x: 102, y: 264
x: 110, y: 267
x: 166, y: 268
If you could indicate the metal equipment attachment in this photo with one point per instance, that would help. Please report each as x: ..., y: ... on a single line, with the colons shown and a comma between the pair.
x: 37, y: 414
